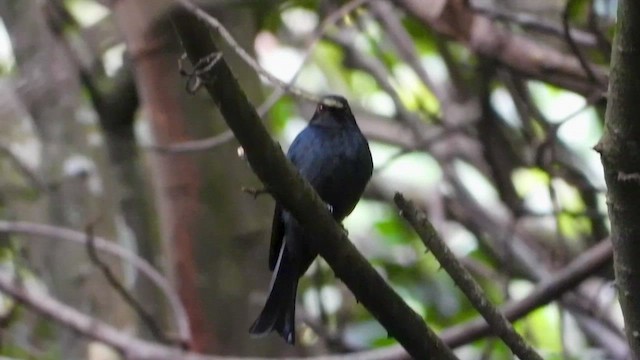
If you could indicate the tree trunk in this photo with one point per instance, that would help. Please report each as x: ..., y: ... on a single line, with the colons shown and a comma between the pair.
x: 216, y: 236
x: 620, y: 151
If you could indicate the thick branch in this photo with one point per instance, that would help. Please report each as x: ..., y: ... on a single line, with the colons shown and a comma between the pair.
x: 620, y: 152
x: 295, y: 193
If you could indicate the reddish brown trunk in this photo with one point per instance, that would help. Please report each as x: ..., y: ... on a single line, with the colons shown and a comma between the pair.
x: 216, y: 235
x: 177, y: 179
x: 179, y: 184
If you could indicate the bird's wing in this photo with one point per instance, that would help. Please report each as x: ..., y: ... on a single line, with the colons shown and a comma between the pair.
x: 277, y: 235
x: 296, y: 152
x: 309, y: 155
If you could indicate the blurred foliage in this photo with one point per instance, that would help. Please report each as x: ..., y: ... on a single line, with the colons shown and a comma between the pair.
x: 390, y: 244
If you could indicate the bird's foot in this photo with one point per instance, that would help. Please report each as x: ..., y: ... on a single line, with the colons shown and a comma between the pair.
x: 330, y: 208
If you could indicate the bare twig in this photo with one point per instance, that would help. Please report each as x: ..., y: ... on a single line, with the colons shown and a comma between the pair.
x: 137, y: 349
x: 112, y: 248
x: 226, y: 136
x: 603, y: 42
x: 401, y: 39
x: 532, y: 22
x: 452, y: 18
x: 187, y: 147
x: 572, y: 43
x: 36, y: 181
x: 464, y: 281
x: 131, y: 348
x: 330, y: 20
x: 554, y: 287
x: 378, y: 71
x: 282, y: 179
x: 113, y: 281
x: 213, y: 23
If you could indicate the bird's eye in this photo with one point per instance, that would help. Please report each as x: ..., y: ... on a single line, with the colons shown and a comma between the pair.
x: 321, y: 107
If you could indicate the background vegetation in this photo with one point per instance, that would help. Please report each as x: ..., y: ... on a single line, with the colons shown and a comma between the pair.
x: 483, y: 113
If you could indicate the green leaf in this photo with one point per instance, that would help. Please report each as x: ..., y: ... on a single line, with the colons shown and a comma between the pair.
x: 393, y: 231
x: 280, y: 114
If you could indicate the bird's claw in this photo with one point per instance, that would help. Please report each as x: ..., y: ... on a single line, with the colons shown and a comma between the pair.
x: 344, y: 230
x: 330, y: 208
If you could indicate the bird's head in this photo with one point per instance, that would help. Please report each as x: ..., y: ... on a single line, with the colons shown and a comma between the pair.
x: 333, y: 111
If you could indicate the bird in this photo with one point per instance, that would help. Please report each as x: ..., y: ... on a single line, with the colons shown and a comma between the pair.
x: 334, y: 156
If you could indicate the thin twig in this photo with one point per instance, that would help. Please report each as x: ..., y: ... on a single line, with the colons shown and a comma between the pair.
x: 36, y: 181
x: 136, y: 349
x: 602, y: 41
x: 187, y: 147
x: 464, y: 280
x: 535, y: 23
x: 379, y: 72
x: 588, y: 263
x: 405, y: 46
x: 574, y: 47
x: 280, y: 176
x: 330, y: 20
x: 226, y: 136
x: 553, y: 288
x: 481, y: 36
x: 130, y: 347
x: 215, y: 24
x: 113, y: 281
x: 47, y: 231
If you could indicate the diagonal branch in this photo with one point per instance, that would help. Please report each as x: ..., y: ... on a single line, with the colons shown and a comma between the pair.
x: 253, y: 63
x: 112, y: 279
x: 130, y: 347
x: 572, y: 43
x: 297, y: 195
x: 188, y: 147
x: 563, y: 281
x: 136, y: 349
x: 34, y: 179
x: 499, y: 324
x: 553, y: 288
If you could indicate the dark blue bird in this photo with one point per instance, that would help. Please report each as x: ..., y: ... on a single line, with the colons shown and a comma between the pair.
x: 333, y: 155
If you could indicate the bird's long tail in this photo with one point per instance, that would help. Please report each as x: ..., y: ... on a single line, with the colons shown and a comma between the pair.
x: 279, y: 310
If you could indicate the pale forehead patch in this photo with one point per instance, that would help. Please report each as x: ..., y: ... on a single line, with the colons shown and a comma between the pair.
x: 335, y: 101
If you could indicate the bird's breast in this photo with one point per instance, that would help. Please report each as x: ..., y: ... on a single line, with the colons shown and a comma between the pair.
x: 348, y: 168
